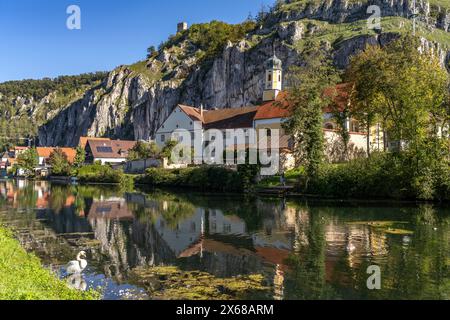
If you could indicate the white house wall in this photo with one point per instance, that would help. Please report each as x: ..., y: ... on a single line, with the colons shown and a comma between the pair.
x: 177, y: 120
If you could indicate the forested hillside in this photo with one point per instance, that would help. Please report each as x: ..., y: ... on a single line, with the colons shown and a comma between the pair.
x: 27, y: 104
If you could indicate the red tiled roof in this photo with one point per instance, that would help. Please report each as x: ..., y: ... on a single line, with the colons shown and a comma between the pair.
x: 117, y: 148
x: 84, y: 140
x: 278, y: 108
x: 45, y: 152
x: 193, y: 113
x: 228, y: 118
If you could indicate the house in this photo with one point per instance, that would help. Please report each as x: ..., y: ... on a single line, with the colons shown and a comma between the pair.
x: 45, y: 152
x: 270, y: 115
x: 9, y: 158
x: 108, y: 151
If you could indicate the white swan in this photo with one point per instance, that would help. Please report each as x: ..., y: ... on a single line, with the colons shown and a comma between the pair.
x: 77, y: 266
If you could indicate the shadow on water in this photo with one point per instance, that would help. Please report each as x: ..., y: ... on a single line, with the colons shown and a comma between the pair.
x: 160, y: 244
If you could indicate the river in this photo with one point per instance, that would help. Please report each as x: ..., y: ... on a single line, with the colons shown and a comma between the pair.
x: 171, y: 245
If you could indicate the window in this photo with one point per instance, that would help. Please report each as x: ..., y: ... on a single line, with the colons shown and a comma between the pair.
x: 355, y: 126
x: 269, y: 133
x: 163, y: 138
x: 104, y: 149
x: 226, y: 228
x: 269, y: 78
x: 329, y: 126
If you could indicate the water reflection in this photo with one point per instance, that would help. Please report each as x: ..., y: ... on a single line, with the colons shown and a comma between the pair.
x: 303, y: 251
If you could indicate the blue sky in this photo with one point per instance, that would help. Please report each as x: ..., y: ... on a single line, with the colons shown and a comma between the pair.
x: 35, y: 42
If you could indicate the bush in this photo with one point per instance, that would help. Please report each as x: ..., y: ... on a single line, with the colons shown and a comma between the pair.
x: 383, y: 175
x: 98, y: 173
x: 203, y: 178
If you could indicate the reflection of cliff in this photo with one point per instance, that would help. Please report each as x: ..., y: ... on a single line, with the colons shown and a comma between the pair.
x: 128, y: 244
x: 65, y: 221
x: 142, y: 236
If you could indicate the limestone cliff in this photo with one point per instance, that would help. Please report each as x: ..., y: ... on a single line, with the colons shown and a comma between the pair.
x: 134, y: 100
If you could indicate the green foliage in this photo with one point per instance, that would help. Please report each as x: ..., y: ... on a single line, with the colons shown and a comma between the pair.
x: 80, y: 157
x: 38, y: 89
x: 405, y: 89
x: 98, y: 173
x: 28, y: 161
x: 308, y: 101
x: 212, y: 37
x: 23, y: 278
x: 208, y: 178
x: 383, y: 176
x: 59, y: 163
x: 166, y: 152
x: 151, y: 52
x: 16, y: 122
x: 144, y: 150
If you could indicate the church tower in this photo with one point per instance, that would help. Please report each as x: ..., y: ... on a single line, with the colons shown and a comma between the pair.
x: 274, y: 78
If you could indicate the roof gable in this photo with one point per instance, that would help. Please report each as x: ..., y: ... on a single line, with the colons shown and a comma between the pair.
x: 84, y: 140
x: 189, y: 115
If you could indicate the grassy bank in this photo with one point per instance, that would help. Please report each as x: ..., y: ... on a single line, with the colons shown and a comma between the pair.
x: 22, y: 276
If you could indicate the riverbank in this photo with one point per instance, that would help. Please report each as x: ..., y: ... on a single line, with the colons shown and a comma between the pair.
x: 22, y: 277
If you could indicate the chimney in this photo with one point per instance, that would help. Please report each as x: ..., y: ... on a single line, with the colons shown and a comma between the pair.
x: 182, y: 26
x: 201, y: 110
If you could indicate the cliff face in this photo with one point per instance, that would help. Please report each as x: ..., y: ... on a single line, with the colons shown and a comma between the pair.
x: 134, y: 100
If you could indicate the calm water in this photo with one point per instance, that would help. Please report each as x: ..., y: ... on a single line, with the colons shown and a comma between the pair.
x: 300, y: 250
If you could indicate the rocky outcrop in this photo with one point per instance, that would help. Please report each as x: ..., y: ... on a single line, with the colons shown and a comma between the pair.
x: 132, y: 105
x: 339, y: 11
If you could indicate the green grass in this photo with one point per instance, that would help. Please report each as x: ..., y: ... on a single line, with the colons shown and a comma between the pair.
x: 336, y: 33
x: 291, y: 176
x: 22, y: 276
x: 140, y: 68
x: 302, y: 4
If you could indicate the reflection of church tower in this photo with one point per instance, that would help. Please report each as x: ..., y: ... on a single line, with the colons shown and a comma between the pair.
x: 274, y: 78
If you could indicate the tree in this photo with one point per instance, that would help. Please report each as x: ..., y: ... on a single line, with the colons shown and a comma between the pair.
x: 28, y: 161
x: 341, y: 115
x: 59, y: 163
x: 404, y: 88
x: 168, y: 148
x: 80, y: 157
x: 151, y: 52
x: 408, y: 91
x: 143, y: 150
x: 308, y: 101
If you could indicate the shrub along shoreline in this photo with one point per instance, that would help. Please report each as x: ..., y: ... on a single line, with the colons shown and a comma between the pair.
x: 205, y: 178
x: 383, y: 176
x: 22, y: 276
